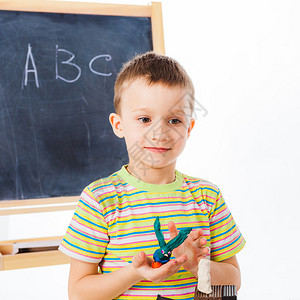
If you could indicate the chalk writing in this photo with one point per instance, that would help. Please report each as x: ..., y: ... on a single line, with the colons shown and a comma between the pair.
x: 26, y: 71
x: 107, y: 58
x: 67, y: 63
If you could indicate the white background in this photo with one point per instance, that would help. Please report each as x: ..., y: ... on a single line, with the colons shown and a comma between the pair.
x: 244, y: 60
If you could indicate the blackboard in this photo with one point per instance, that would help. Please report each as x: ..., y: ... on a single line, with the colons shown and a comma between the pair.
x: 57, y: 72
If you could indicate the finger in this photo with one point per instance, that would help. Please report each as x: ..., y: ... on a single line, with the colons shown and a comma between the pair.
x: 200, y: 243
x: 196, y: 234
x: 172, y: 230
x: 173, y: 265
x: 181, y: 259
x: 139, y: 259
x: 204, y: 251
x: 203, y: 241
x: 167, y: 270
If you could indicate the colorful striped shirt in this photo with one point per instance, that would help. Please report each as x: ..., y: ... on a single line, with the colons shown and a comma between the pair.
x: 114, y: 220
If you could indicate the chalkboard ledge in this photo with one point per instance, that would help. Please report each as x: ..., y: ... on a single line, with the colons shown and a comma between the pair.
x: 12, y: 207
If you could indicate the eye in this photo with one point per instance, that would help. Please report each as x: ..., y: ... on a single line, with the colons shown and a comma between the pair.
x: 169, y: 252
x: 175, y: 121
x: 144, y: 119
x: 162, y: 251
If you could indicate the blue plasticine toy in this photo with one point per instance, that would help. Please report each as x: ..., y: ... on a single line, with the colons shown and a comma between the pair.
x: 163, y: 254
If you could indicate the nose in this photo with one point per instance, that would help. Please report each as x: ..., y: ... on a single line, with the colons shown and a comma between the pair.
x: 160, y: 131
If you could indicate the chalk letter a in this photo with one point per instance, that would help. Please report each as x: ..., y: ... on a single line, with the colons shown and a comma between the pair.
x: 33, y: 70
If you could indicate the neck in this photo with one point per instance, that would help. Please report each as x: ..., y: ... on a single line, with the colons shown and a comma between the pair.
x: 163, y: 175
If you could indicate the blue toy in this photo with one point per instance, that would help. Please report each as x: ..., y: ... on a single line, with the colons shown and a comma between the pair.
x: 163, y: 254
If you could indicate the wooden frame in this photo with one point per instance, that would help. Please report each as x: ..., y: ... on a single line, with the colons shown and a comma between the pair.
x: 154, y: 11
x: 47, y: 257
x: 9, y: 260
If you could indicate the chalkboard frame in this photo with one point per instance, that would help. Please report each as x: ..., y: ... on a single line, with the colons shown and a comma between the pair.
x: 153, y: 11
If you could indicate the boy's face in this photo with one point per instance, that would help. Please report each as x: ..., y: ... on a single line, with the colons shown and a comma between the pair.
x: 155, y: 121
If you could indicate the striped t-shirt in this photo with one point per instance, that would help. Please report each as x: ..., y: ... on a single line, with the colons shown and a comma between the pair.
x: 114, y: 220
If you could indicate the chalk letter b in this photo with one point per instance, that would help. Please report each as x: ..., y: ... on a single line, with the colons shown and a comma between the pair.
x: 66, y: 62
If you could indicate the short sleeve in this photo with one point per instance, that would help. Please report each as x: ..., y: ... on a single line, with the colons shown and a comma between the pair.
x: 226, y: 239
x: 86, y: 237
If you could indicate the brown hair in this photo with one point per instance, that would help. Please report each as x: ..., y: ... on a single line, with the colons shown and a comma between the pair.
x: 155, y: 69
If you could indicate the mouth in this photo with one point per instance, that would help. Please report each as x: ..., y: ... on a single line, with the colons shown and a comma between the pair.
x: 158, y: 149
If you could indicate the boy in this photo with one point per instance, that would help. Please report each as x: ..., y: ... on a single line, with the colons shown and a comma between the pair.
x: 112, y: 226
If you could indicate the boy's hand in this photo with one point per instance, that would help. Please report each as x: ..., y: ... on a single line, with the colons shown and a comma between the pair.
x: 194, y: 248
x: 142, y: 265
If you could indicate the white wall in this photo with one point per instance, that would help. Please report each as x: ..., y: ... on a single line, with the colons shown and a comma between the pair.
x: 244, y: 61
x: 244, y: 58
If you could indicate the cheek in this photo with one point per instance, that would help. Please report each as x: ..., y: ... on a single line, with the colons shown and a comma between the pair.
x: 179, y: 137
x: 133, y: 135
x: 181, y: 145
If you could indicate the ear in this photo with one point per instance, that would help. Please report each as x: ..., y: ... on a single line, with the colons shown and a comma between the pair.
x: 191, y: 126
x: 116, y: 124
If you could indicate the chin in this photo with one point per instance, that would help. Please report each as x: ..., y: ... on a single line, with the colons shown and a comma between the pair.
x: 160, y: 165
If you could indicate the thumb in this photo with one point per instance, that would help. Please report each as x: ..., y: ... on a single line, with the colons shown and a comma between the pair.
x: 172, y: 230
x: 139, y: 259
